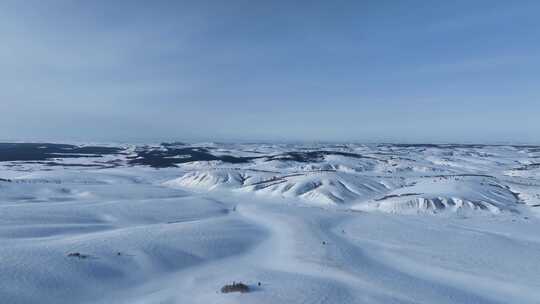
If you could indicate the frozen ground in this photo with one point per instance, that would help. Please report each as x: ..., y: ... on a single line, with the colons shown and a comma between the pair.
x: 323, y: 223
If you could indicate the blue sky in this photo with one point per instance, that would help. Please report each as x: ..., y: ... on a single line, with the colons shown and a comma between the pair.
x: 402, y: 71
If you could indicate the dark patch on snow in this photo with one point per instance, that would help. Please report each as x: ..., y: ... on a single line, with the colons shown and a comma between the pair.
x: 396, y: 195
x: 235, y: 287
x: 47, y: 151
x: 173, y: 144
x: 528, y: 167
x: 78, y: 255
x: 313, y: 156
x: 169, y: 157
x: 58, y: 164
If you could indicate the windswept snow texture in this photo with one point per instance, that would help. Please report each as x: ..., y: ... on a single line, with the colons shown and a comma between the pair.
x: 323, y: 223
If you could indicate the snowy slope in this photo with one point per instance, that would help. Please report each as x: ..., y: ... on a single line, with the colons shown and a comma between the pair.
x: 464, y: 194
x: 315, y: 223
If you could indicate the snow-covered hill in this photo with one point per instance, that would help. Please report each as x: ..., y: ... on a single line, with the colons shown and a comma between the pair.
x: 463, y: 194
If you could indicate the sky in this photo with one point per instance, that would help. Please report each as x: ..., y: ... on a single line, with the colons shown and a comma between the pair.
x: 362, y: 71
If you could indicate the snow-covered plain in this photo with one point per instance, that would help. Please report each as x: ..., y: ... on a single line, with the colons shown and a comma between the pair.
x: 320, y: 223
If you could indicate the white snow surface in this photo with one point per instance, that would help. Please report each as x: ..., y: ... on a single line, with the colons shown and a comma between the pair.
x: 355, y: 224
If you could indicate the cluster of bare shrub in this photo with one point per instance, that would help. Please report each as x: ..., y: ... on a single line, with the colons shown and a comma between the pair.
x: 235, y: 287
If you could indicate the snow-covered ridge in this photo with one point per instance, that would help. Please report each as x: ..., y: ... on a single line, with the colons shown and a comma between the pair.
x: 347, y: 175
x: 326, y: 187
x: 462, y: 194
x: 394, y: 179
